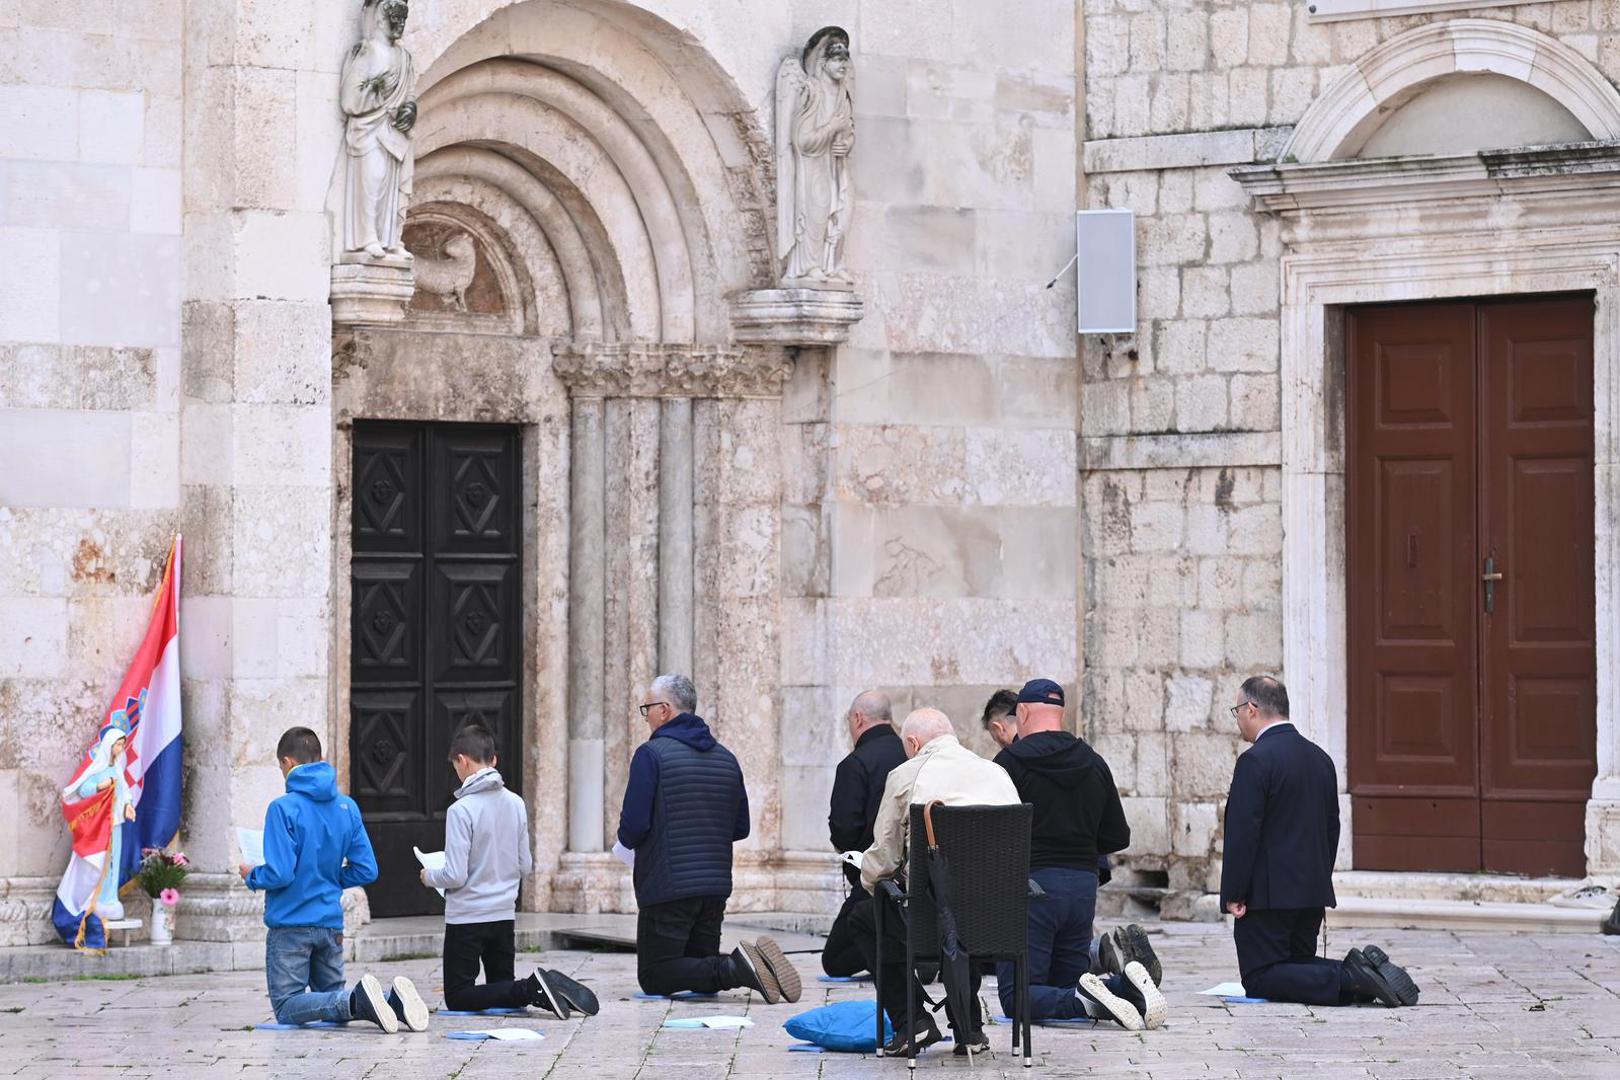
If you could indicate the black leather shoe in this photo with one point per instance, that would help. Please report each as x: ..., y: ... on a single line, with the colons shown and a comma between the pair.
x: 575, y: 993
x: 974, y: 1042
x: 926, y: 1035
x: 1365, y: 981
x: 1395, y: 975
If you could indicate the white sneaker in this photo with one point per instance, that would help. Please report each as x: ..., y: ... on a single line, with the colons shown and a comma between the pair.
x: 1153, y: 1006
x: 408, y: 1005
x: 373, y: 1007
x: 1103, y: 1002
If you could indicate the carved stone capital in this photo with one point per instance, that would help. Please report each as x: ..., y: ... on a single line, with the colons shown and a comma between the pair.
x: 371, y: 293
x: 651, y: 369
x: 795, y: 317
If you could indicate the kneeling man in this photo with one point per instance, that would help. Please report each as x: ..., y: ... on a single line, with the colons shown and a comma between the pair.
x: 1282, y: 832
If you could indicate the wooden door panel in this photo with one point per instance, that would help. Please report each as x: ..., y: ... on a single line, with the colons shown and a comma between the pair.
x: 1410, y: 516
x: 435, y: 630
x: 1538, y: 717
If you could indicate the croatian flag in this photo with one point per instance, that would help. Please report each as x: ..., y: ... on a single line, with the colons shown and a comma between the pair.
x: 124, y: 796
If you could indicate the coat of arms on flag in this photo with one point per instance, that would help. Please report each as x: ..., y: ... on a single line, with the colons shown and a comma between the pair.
x: 124, y: 797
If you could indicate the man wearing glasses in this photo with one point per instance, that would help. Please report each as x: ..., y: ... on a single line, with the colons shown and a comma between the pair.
x: 684, y: 806
x: 1282, y: 832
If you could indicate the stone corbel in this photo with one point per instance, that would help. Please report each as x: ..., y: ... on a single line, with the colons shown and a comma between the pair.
x: 371, y: 292
x: 656, y: 370
x: 795, y: 317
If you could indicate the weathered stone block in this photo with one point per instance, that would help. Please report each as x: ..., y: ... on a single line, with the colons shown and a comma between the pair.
x: 1182, y: 345
x: 1193, y: 826
x: 1247, y: 95
x: 1204, y: 292
x: 1245, y: 344
x: 1256, y: 403
x: 1254, y: 642
x: 1148, y: 817
x: 1201, y: 403
x: 1188, y: 699
x: 1220, y: 580
x: 1202, y: 639
x: 1255, y: 288
x: 1229, y: 36
x: 1157, y: 526
x: 1232, y: 237
x: 1187, y: 41
x: 1269, y: 28
x: 1202, y: 763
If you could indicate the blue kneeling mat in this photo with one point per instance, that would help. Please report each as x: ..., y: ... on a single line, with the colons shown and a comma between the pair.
x: 845, y: 1026
x: 313, y: 1026
x: 481, y: 1012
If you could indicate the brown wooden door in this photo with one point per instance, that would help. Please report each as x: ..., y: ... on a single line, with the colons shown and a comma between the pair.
x: 1472, y: 716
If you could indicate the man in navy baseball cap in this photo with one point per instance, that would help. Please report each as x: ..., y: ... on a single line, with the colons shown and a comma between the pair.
x: 1041, y: 692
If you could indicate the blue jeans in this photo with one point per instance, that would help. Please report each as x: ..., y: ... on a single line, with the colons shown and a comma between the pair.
x: 1059, y: 945
x: 304, y: 967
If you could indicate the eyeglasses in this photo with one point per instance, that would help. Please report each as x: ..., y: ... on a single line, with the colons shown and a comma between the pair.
x: 1234, y: 709
x: 652, y: 705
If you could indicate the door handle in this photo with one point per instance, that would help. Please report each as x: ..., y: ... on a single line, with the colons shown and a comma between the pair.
x: 1490, y: 577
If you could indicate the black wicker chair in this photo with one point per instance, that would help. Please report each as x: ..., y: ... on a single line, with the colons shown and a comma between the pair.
x: 987, y: 850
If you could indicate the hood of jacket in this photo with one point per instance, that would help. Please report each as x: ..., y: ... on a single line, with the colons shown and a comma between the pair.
x: 316, y: 780
x: 487, y: 779
x: 689, y: 729
x: 1056, y: 755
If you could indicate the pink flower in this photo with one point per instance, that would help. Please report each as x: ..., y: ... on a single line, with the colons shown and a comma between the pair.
x: 180, y: 859
x: 170, y: 897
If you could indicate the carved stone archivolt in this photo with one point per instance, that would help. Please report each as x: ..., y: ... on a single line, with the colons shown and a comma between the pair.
x: 652, y: 369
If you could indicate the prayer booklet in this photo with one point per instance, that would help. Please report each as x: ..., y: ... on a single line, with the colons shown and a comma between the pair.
x: 430, y: 860
x: 624, y: 854
x: 851, y: 857
x: 251, y: 841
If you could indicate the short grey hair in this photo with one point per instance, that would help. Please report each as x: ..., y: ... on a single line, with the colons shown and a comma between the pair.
x: 1269, y: 695
x: 679, y: 689
x: 874, y: 705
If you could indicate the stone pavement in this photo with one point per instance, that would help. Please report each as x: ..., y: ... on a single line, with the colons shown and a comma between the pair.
x: 1494, y: 1005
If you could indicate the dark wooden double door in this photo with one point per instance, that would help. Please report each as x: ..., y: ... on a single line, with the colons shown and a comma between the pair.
x: 436, y: 631
x: 1472, y: 698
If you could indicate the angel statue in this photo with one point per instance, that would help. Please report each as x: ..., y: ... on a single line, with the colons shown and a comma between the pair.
x: 815, y: 130
x: 378, y: 79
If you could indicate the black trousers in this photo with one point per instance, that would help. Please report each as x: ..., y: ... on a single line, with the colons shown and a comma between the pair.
x: 466, y: 945
x: 1276, y: 952
x: 678, y: 947
x: 842, y: 956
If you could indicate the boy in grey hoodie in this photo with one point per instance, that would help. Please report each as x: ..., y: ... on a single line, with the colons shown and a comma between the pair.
x: 486, y: 855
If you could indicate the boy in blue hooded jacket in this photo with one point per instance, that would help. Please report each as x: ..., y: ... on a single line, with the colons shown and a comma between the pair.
x: 315, y: 846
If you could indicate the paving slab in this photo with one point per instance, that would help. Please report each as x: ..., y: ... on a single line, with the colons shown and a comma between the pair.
x: 1514, y: 1006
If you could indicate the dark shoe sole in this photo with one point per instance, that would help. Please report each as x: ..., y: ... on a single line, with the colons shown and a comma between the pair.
x: 1406, y: 991
x: 767, y: 986
x: 1362, y: 970
x: 574, y: 992
x: 787, y: 976
x: 898, y: 1049
x: 1138, y: 948
x: 554, y: 1000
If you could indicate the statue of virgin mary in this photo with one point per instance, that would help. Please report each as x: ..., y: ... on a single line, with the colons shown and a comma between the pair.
x: 815, y: 131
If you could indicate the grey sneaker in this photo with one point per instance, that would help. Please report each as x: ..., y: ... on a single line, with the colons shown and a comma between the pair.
x: 751, y: 968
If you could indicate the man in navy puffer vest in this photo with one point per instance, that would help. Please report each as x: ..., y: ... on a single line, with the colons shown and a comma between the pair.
x: 684, y: 807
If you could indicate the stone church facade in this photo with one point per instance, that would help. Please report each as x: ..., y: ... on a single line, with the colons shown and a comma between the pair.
x: 599, y: 440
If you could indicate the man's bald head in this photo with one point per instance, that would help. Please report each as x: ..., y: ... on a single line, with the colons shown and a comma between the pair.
x: 922, y: 727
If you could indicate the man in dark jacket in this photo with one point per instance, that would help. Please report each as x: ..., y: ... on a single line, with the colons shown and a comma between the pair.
x: 684, y: 806
x: 1282, y: 833
x: 1078, y: 817
x: 856, y: 795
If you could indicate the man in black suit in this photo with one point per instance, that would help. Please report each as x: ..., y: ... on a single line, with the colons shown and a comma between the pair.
x: 857, y: 792
x: 1282, y: 832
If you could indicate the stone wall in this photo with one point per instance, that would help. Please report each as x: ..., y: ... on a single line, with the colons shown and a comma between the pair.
x: 1180, y: 422
x: 930, y: 528
x: 90, y: 291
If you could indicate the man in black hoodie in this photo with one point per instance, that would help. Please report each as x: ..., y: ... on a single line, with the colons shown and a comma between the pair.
x: 684, y: 806
x: 856, y: 795
x: 1078, y: 817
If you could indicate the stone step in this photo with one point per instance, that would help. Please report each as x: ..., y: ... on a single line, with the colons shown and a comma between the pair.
x: 1469, y: 915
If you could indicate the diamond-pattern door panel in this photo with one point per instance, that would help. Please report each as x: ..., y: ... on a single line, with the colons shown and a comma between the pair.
x: 435, y: 630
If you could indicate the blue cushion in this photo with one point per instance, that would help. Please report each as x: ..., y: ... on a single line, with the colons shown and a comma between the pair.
x: 845, y: 1026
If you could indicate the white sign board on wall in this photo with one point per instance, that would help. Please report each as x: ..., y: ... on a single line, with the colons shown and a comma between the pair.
x: 1105, y: 270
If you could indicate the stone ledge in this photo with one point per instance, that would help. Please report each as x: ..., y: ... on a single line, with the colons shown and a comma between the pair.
x: 1463, y: 915
x: 1203, y: 450
x: 371, y: 293
x: 1190, y: 151
x: 795, y: 317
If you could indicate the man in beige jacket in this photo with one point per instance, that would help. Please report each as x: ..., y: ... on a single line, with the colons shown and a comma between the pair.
x: 939, y: 768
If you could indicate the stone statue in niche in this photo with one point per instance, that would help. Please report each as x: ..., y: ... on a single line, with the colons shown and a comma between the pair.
x: 378, y: 81
x: 448, y: 275
x: 815, y: 131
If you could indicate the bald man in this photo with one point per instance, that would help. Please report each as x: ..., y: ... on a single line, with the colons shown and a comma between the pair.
x: 937, y: 767
x: 857, y: 791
